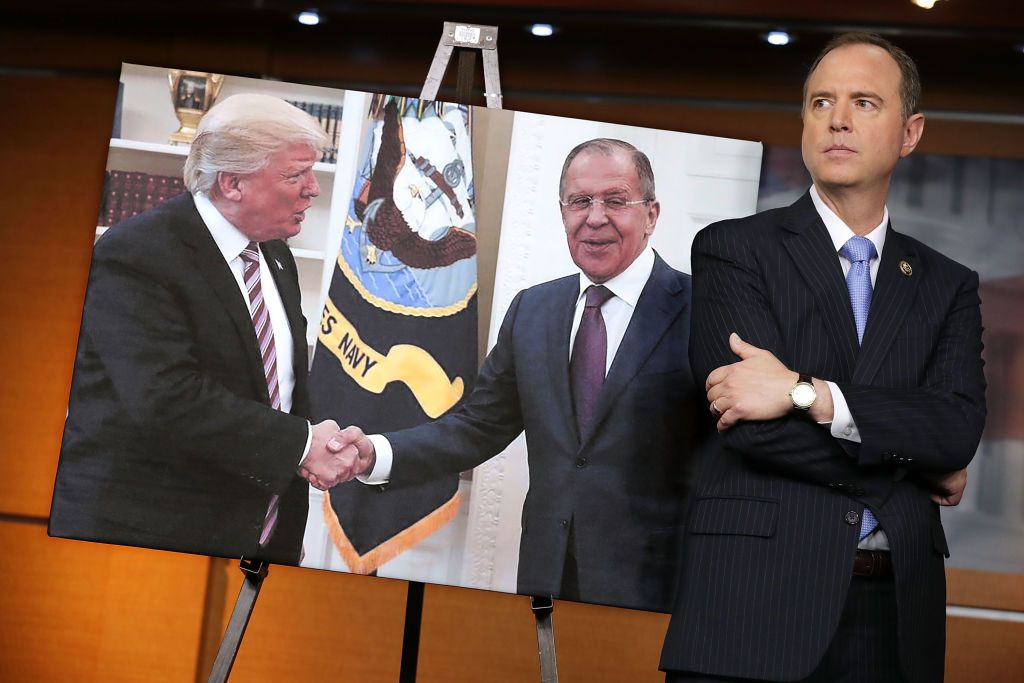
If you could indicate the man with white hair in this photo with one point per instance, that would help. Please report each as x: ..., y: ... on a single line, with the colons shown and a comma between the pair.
x: 185, y: 428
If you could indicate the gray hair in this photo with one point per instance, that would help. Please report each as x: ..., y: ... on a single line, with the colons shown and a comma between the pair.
x: 910, y: 81
x: 241, y: 133
x: 608, y: 147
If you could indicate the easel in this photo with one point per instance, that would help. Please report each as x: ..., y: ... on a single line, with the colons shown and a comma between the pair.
x: 468, y: 38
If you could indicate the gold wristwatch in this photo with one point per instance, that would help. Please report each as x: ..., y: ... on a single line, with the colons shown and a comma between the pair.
x: 803, y: 393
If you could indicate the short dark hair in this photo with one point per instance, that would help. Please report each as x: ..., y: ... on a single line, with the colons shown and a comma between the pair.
x: 610, y: 146
x: 910, y: 81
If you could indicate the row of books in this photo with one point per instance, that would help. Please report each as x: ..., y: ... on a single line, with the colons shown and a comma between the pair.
x: 127, y: 193
x: 329, y: 116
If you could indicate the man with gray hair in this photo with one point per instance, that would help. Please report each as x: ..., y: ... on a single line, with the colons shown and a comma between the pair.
x: 593, y: 366
x: 185, y: 427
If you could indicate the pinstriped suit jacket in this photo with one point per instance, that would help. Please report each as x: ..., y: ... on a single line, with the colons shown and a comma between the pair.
x: 775, y: 518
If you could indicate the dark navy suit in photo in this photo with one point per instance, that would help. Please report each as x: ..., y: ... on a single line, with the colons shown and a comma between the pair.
x: 619, y: 487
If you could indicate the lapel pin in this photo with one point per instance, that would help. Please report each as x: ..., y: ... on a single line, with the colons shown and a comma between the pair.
x: 281, y: 267
x: 906, y: 269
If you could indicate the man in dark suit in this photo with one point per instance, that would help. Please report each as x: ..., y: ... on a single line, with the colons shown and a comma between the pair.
x: 594, y: 367
x: 849, y: 401
x: 185, y: 425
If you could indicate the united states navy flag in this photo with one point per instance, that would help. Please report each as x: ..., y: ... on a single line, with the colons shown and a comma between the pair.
x: 398, y: 336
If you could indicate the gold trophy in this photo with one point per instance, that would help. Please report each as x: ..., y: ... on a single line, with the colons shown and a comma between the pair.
x: 192, y: 92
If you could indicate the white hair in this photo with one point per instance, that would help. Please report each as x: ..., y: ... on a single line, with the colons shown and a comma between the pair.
x: 241, y: 133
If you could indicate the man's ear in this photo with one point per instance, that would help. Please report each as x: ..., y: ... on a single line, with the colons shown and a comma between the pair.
x: 653, y: 211
x: 913, y: 129
x: 229, y: 186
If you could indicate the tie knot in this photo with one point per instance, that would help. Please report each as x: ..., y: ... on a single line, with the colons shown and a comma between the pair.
x: 251, y: 253
x: 597, y: 295
x: 858, y: 249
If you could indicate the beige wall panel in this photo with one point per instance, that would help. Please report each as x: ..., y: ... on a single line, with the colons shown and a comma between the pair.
x: 89, y: 612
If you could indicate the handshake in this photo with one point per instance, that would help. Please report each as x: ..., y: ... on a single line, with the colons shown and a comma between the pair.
x: 336, y: 455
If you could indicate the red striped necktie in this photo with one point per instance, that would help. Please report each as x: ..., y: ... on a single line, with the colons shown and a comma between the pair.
x: 268, y: 353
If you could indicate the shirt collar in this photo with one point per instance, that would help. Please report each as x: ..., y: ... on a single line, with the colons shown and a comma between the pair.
x: 230, y: 240
x: 840, y: 232
x: 628, y: 284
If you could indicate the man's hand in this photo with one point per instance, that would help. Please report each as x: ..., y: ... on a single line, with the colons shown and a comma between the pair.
x: 755, y: 388
x: 351, y: 444
x: 324, y: 467
x: 947, y: 488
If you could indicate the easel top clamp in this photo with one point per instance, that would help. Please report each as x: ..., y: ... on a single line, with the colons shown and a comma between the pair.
x: 468, y: 38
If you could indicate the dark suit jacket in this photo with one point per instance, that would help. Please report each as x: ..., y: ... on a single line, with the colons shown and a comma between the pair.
x: 170, y: 441
x: 776, y: 513
x: 622, y: 484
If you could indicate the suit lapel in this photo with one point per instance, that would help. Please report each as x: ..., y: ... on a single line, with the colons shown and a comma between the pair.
x: 210, y: 263
x: 893, y: 297
x: 656, y: 309
x: 814, y: 256
x: 559, y: 325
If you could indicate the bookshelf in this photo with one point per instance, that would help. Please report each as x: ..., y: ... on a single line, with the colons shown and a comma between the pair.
x: 147, y: 120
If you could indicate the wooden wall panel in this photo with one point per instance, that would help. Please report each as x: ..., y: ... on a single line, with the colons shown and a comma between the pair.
x: 89, y: 612
x: 56, y: 133
x: 325, y: 626
x: 984, y: 651
x: 471, y: 636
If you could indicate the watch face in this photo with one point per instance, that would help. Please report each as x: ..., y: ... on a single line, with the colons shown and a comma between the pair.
x: 803, y: 395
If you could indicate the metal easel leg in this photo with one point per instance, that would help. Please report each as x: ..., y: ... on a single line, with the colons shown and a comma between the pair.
x: 542, y: 610
x: 254, y: 571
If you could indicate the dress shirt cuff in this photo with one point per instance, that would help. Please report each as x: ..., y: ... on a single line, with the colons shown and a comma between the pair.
x: 381, y: 471
x: 843, y: 426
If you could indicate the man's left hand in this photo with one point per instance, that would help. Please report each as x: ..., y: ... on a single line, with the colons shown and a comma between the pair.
x: 755, y: 388
x: 947, y: 488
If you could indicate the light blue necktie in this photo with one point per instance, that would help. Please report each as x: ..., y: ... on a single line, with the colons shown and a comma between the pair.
x: 859, y: 251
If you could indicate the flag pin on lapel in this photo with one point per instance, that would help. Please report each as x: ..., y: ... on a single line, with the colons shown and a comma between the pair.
x: 906, y: 269
x: 281, y: 267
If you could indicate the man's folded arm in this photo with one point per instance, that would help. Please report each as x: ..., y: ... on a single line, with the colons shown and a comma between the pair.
x: 481, y: 427
x: 935, y: 427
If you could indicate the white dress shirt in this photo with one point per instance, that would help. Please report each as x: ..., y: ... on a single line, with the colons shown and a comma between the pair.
x: 843, y: 426
x: 617, y: 312
x: 231, y: 242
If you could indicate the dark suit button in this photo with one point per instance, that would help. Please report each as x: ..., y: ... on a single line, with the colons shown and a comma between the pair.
x: 832, y: 484
x: 852, y: 518
x: 858, y: 491
x: 564, y: 524
x: 381, y: 488
x: 581, y: 462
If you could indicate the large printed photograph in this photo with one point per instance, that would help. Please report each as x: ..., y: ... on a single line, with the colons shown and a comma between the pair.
x: 374, y: 334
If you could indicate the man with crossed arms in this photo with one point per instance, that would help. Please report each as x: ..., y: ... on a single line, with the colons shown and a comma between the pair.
x: 814, y: 550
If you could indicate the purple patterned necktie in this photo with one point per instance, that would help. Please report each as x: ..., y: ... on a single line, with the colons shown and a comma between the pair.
x: 859, y: 251
x: 589, y: 357
x: 265, y: 337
